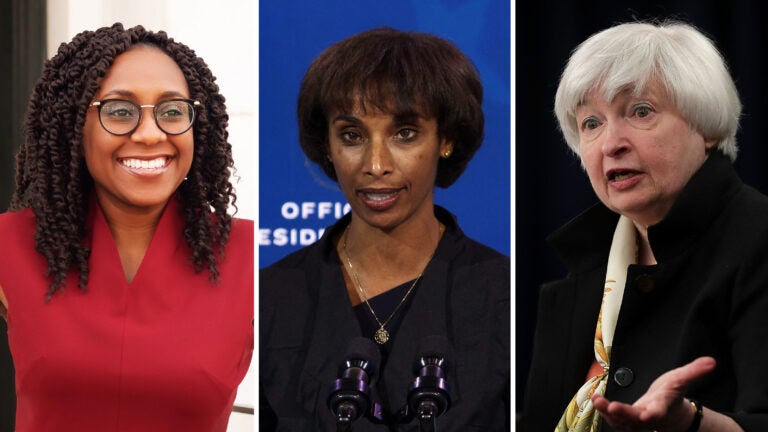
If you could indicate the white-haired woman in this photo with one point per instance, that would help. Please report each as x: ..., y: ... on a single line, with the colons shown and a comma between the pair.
x: 661, y: 321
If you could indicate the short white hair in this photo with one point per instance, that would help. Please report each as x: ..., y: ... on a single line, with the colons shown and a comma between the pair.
x: 630, y: 55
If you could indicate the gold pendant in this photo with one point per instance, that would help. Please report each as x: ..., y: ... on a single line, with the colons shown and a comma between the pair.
x: 381, y: 336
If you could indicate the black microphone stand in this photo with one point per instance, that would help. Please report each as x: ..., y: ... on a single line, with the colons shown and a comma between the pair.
x: 346, y: 412
x: 350, y: 394
x: 429, y: 395
x: 427, y: 416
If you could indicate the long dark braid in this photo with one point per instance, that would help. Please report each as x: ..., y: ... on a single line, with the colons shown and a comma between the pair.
x: 52, y: 178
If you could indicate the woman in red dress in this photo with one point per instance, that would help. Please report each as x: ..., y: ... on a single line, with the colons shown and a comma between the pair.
x: 127, y: 284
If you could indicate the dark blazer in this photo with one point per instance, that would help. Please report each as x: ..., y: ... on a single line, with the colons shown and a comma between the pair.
x: 708, y: 295
x: 306, y: 323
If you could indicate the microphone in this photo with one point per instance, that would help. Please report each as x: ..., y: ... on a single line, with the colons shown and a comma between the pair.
x: 350, y: 394
x: 429, y: 396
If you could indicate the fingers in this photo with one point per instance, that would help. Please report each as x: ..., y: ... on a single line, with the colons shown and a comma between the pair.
x: 627, y: 417
x: 599, y: 402
x: 702, y: 366
x: 613, y: 409
x: 660, y: 403
x: 686, y: 375
x: 615, y: 413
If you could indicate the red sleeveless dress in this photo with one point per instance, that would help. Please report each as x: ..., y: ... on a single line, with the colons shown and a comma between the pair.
x: 163, y: 353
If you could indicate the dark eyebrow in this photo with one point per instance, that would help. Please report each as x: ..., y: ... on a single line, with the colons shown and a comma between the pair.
x: 399, y: 118
x: 346, y: 118
x: 407, y: 118
x: 170, y: 94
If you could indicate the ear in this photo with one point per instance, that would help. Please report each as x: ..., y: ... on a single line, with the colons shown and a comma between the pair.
x: 710, y: 144
x: 446, y: 148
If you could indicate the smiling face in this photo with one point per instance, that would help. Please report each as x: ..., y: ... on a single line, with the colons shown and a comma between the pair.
x: 386, y: 164
x: 144, y: 168
x: 639, y: 152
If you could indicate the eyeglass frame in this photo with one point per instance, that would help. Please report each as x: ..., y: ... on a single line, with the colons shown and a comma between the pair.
x: 100, y: 103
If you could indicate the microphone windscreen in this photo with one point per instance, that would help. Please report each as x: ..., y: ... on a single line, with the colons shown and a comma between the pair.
x: 361, y: 348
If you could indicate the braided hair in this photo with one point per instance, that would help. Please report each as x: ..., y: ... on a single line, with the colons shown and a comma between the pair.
x: 51, y: 175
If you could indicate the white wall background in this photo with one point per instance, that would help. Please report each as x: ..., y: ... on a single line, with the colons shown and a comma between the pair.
x: 224, y: 33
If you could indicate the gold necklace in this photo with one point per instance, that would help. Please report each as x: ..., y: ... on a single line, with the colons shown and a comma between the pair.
x: 382, y: 335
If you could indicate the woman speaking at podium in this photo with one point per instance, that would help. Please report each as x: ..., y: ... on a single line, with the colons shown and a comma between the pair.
x: 388, y: 115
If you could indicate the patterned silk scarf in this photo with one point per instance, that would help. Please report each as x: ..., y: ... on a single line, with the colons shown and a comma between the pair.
x: 580, y: 415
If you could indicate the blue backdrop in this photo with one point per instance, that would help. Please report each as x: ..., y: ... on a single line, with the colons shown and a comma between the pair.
x: 296, y: 200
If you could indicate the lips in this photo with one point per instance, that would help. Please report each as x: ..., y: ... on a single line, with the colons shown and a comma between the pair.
x: 621, y: 179
x: 379, y: 199
x: 145, y: 166
x: 619, y: 175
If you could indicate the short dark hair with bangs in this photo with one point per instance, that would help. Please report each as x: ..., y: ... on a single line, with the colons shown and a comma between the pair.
x: 397, y: 72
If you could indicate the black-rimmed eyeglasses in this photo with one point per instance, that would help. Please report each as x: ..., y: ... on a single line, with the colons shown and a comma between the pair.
x: 122, y: 117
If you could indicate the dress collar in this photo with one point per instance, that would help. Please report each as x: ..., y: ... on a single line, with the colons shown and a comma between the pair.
x: 584, y: 242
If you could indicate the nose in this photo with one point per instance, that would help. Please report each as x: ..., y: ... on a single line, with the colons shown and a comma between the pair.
x: 378, y: 158
x: 614, y: 140
x: 147, y: 131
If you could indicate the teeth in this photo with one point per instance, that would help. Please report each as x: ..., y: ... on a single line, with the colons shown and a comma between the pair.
x: 622, y: 176
x: 379, y: 196
x: 144, y: 164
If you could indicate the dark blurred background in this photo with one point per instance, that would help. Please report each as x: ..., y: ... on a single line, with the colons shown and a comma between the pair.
x: 551, y: 187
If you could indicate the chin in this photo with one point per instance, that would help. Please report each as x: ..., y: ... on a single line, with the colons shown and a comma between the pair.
x: 145, y: 201
x: 385, y: 223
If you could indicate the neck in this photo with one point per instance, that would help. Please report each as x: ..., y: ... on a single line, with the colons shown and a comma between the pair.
x: 403, y: 246
x: 132, y: 230
x: 383, y: 259
x: 644, y: 252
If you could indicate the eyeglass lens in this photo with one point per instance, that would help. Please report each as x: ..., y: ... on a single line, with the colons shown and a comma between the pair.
x: 121, y: 117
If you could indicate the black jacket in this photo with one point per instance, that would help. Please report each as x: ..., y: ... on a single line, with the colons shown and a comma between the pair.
x: 708, y: 295
x: 306, y: 323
